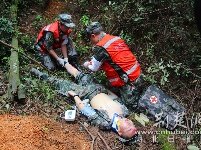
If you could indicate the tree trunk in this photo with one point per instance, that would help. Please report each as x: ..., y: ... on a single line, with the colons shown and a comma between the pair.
x: 15, y: 88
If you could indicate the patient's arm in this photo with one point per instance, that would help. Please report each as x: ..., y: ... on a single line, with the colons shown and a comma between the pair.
x: 78, y: 101
x: 86, y: 110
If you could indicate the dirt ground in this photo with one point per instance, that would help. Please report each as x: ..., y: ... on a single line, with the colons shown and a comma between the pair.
x: 39, y: 132
x: 42, y: 133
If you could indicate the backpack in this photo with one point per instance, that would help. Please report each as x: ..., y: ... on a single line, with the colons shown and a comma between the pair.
x: 160, y: 107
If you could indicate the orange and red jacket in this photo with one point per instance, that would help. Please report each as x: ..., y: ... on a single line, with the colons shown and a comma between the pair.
x: 122, y: 56
x: 54, y: 28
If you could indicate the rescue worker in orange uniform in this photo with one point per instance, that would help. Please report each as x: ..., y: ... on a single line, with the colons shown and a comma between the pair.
x: 112, y: 55
x: 55, y: 36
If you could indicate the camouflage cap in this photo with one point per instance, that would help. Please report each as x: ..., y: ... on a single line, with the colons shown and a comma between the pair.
x: 137, y: 138
x: 66, y: 19
x: 94, y: 27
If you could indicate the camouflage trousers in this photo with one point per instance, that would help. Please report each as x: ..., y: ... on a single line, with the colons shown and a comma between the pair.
x: 85, y: 86
x: 130, y: 93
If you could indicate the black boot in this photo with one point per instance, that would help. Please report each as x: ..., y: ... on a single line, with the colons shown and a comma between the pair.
x: 74, y: 62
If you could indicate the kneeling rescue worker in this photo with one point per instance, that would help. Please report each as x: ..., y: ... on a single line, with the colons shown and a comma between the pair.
x: 54, y: 37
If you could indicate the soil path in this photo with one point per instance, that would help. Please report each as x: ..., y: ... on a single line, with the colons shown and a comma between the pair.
x: 41, y: 133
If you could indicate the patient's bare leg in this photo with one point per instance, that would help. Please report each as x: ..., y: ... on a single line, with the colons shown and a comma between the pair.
x: 70, y: 69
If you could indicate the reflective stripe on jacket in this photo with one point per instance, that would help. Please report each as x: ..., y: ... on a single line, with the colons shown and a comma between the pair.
x: 54, y: 28
x: 120, y: 55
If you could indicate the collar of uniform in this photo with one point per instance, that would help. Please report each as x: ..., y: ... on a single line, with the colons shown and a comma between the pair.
x: 115, y: 126
x: 101, y: 36
x: 60, y: 31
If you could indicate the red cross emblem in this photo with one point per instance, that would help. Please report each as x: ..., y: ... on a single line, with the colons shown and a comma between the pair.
x: 153, y: 99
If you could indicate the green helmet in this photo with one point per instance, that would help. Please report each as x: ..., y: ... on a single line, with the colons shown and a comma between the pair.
x: 94, y: 27
x: 66, y: 20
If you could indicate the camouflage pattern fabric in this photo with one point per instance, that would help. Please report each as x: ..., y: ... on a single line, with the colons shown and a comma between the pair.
x: 71, y: 48
x: 87, y: 80
x: 166, y: 109
x: 86, y: 86
x: 48, y: 41
x: 160, y: 107
x: 100, y: 54
x: 130, y: 93
x: 103, y: 120
x: 137, y: 138
x: 49, y: 61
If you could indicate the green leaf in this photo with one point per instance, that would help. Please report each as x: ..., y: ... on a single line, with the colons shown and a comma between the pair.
x: 138, y: 19
x: 46, y: 104
x: 44, y: 128
x: 192, y: 147
x: 7, y: 106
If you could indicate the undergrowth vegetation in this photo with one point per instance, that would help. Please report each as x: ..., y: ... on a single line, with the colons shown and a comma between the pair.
x: 162, y: 34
